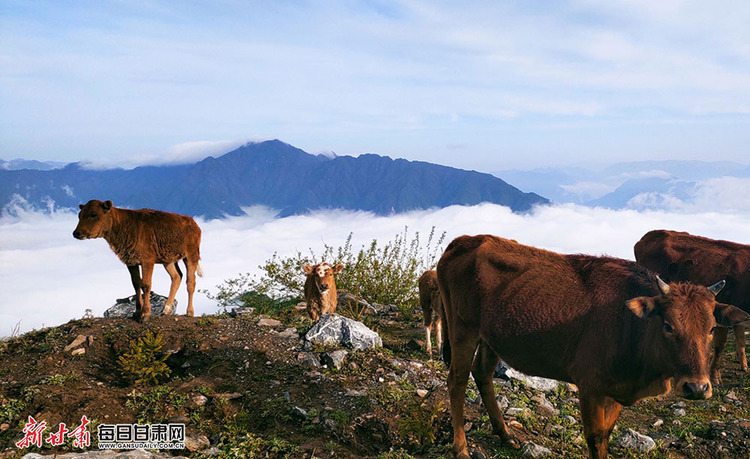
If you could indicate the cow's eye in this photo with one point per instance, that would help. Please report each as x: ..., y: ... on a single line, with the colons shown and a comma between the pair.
x: 668, y: 329
x: 711, y: 333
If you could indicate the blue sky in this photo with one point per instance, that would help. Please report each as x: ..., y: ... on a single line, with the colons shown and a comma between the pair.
x: 479, y: 85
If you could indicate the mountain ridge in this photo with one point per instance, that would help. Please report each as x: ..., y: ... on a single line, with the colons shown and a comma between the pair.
x: 270, y: 173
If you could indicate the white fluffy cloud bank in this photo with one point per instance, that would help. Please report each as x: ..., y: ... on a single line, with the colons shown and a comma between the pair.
x: 47, y: 277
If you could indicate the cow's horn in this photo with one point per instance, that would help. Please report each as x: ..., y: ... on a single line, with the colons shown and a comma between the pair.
x: 663, y: 286
x: 716, y: 288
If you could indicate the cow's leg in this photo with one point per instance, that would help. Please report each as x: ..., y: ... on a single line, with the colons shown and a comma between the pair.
x: 428, y: 340
x: 463, y: 346
x: 739, y: 341
x: 720, y: 340
x: 485, y: 363
x: 148, y: 271
x: 191, y: 266
x: 135, y: 278
x: 174, y: 273
x: 599, y: 414
x: 438, y: 335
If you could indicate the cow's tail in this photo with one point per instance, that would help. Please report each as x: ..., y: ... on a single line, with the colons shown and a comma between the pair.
x: 199, y: 269
x: 445, y: 351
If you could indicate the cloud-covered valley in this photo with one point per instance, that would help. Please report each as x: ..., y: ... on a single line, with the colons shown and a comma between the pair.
x: 47, y: 277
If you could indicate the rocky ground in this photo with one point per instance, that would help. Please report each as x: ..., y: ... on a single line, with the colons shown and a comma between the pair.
x: 248, y: 386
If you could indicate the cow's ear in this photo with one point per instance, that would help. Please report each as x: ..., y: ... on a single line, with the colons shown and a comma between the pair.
x: 107, y: 205
x: 643, y: 306
x: 307, y: 269
x: 728, y: 316
x: 338, y: 268
x: 80, y: 206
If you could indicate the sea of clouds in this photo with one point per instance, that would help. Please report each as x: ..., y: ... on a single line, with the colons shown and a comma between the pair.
x: 47, y: 277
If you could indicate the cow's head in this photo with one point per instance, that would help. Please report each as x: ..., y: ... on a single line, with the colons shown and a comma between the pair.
x: 323, y: 275
x: 687, y: 316
x: 93, y: 219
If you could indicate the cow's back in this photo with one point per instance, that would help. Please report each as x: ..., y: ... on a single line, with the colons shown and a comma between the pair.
x: 683, y: 257
x: 164, y: 236
x: 544, y: 313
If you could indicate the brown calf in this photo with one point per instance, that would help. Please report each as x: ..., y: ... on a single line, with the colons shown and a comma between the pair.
x: 607, y: 325
x: 142, y: 238
x: 432, y: 307
x: 679, y: 256
x: 320, y: 289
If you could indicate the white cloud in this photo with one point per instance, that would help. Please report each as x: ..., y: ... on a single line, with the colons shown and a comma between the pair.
x: 47, y: 277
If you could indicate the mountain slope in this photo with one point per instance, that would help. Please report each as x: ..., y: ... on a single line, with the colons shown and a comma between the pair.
x: 269, y: 173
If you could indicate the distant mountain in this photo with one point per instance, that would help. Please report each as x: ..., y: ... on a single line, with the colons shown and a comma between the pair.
x: 639, y: 184
x: 270, y: 173
x: 18, y: 164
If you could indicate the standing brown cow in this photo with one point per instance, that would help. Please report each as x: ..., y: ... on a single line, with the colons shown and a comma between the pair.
x: 683, y: 257
x: 432, y: 308
x: 320, y: 289
x: 142, y: 238
x: 607, y: 325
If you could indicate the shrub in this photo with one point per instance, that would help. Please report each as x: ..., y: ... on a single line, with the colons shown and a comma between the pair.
x: 144, y: 363
x: 385, y: 274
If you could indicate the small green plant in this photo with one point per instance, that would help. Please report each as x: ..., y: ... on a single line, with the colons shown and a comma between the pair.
x: 59, y: 379
x: 157, y: 404
x: 10, y: 410
x: 419, y: 423
x: 396, y: 454
x: 144, y: 363
x: 251, y: 446
x: 385, y: 274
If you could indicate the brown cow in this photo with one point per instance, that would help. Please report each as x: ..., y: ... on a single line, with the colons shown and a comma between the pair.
x: 608, y: 325
x: 320, y: 289
x: 142, y: 238
x: 679, y: 256
x: 432, y: 307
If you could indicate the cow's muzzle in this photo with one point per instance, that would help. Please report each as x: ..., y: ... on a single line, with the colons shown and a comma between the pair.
x: 78, y: 235
x: 700, y: 390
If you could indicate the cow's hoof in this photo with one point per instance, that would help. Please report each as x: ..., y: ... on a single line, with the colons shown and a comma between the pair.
x: 142, y: 318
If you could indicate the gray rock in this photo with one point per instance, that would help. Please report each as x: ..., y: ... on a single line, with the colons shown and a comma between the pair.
x: 515, y: 412
x: 630, y: 439
x: 199, y: 400
x: 679, y: 412
x: 334, y: 359
x: 345, y: 299
x: 544, y: 407
x: 196, y: 442
x: 289, y: 333
x: 242, y: 312
x: 333, y: 329
x: 531, y: 449
x: 269, y: 322
x: 535, y: 382
x: 125, y: 307
x: 308, y: 359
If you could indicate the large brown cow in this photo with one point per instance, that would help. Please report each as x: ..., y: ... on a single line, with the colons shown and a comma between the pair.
x: 142, y: 238
x: 320, y: 289
x: 679, y: 256
x: 608, y: 325
x: 432, y: 308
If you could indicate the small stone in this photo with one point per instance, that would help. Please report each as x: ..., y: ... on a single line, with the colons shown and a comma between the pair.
x: 4, y: 426
x: 531, y: 449
x: 299, y: 412
x: 79, y: 351
x: 78, y: 341
x: 477, y: 454
x: 544, y: 407
x: 422, y: 392
x: 308, y: 359
x: 334, y: 359
x: 199, y: 400
x: 196, y: 442
x: 679, y: 412
x: 658, y: 423
x: 515, y: 424
x: 268, y: 322
x: 90, y: 340
x: 630, y: 439
x: 229, y: 395
x: 289, y: 333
